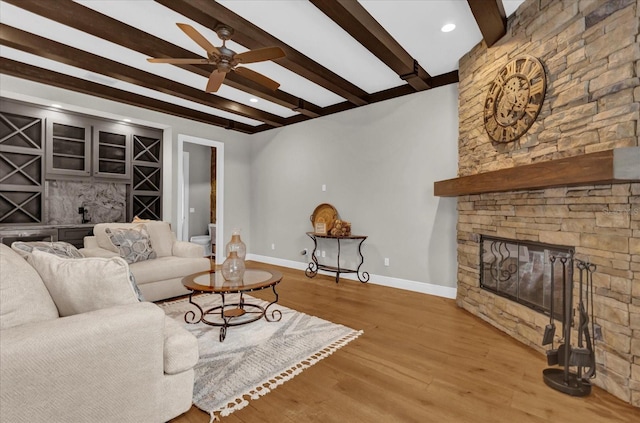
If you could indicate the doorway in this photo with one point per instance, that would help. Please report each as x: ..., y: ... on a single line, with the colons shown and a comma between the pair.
x: 183, y: 187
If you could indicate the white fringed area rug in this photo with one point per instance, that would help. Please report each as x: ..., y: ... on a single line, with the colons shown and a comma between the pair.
x: 257, y: 357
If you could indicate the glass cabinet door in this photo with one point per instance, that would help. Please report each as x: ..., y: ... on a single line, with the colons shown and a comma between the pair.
x: 111, y: 152
x: 68, y: 149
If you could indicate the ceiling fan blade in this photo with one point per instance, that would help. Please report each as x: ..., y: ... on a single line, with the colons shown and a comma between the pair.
x: 257, y: 77
x: 198, y: 38
x: 215, y: 80
x: 259, y: 55
x: 179, y: 61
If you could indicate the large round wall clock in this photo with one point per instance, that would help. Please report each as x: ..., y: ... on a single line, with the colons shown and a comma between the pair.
x: 514, y: 99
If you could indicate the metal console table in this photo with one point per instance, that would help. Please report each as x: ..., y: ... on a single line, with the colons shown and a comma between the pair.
x: 314, y: 266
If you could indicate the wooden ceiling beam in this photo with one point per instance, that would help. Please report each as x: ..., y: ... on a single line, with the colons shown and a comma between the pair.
x: 55, y: 79
x: 357, y: 22
x: 210, y: 14
x: 84, y: 19
x: 491, y: 19
x: 25, y: 41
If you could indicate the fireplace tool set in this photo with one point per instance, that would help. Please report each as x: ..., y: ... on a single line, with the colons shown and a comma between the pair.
x: 577, y: 364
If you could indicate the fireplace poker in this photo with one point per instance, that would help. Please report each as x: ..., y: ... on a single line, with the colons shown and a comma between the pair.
x: 550, y: 329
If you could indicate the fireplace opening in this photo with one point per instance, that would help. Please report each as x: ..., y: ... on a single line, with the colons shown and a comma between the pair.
x: 521, y: 271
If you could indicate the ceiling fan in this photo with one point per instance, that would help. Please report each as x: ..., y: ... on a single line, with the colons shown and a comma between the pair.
x: 224, y: 59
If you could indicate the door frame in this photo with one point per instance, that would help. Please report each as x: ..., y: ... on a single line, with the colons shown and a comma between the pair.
x: 219, y: 146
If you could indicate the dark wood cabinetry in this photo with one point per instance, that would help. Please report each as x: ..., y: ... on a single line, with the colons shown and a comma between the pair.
x: 146, y: 191
x: 112, y: 151
x: 21, y: 166
x: 74, y: 236
x: 39, y: 144
x: 68, y: 148
x: 79, y: 147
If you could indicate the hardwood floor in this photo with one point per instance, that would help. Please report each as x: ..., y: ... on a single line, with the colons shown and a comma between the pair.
x: 420, y: 359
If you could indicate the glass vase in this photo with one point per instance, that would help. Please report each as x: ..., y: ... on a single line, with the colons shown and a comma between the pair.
x: 236, y: 244
x: 233, y: 267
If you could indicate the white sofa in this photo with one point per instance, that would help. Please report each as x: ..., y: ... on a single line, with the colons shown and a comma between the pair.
x: 158, y: 278
x: 77, y: 346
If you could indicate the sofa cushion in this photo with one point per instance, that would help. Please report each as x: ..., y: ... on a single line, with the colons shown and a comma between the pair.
x: 133, y: 244
x: 23, y: 296
x: 166, y: 268
x: 162, y: 238
x: 59, y: 248
x: 180, y: 348
x: 82, y: 285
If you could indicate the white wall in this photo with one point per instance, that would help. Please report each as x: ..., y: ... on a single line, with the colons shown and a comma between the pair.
x: 379, y: 163
x: 199, y: 188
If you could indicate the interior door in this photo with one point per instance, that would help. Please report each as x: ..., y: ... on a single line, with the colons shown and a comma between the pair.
x: 185, y: 196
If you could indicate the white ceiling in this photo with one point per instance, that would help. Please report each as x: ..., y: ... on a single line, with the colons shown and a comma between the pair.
x: 415, y: 24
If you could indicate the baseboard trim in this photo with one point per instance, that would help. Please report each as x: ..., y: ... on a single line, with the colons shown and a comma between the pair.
x: 408, y: 285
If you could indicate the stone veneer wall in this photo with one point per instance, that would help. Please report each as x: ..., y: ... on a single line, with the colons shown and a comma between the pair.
x: 591, y: 52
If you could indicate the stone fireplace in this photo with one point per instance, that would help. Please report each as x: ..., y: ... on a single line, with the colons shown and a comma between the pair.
x: 591, y: 55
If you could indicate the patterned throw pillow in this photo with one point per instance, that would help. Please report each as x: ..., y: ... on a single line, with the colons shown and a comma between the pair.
x: 133, y: 244
x: 57, y: 248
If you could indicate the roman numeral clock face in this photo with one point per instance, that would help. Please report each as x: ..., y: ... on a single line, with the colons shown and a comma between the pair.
x: 514, y: 99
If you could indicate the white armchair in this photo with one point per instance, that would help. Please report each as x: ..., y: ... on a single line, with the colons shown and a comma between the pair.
x: 126, y: 362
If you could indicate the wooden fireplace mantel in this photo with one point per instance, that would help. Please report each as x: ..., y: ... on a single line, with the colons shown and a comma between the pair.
x: 615, y: 166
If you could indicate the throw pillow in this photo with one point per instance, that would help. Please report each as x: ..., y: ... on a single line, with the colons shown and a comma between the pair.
x: 62, y: 250
x: 136, y: 219
x: 23, y: 296
x: 133, y: 244
x: 134, y: 285
x: 58, y: 248
x: 87, y: 284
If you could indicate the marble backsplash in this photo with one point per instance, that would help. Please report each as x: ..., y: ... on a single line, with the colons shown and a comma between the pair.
x: 105, y: 202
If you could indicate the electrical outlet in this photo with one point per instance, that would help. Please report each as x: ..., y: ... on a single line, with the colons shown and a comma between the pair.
x: 386, y: 261
x: 323, y: 253
x: 273, y: 246
x: 317, y: 253
x: 597, y: 332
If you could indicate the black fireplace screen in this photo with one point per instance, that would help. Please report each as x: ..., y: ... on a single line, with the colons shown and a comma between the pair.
x: 521, y: 271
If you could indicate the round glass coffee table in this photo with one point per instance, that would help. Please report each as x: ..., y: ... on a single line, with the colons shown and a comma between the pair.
x: 232, y: 313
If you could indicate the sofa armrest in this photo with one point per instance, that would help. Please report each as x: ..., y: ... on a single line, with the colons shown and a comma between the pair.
x: 90, y: 242
x: 187, y: 249
x: 105, y: 364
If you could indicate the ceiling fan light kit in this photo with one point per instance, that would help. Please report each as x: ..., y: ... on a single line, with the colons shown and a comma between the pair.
x: 224, y: 59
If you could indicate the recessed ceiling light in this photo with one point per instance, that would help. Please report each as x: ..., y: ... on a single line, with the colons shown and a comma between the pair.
x: 448, y: 27
x: 253, y: 100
